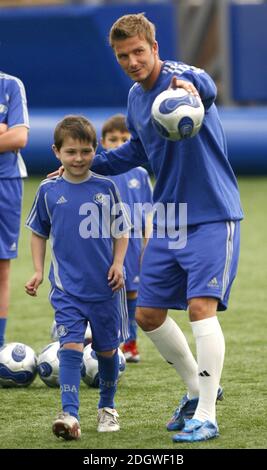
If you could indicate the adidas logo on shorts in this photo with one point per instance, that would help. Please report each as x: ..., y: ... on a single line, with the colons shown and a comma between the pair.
x: 213, y: 282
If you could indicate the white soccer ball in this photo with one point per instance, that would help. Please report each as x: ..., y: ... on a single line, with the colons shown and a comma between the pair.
x: 87, y: 336
x: 177, y: 114
x: 89, y: 371
x: 48, y: 364
x: 18, y: 365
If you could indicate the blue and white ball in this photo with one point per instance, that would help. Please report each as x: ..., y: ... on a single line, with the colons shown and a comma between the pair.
x: 177, y: 114
x: 48, y: 364
x: 89, y: 371
x: 18, y: 365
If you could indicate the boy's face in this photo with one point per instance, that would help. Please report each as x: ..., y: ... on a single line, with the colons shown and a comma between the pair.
x: 76, y: 156
x: 114, y: 139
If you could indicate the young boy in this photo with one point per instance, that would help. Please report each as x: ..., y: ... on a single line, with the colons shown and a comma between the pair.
x: 82, y: 215
x: 135, y: 188
x: 14, y: 126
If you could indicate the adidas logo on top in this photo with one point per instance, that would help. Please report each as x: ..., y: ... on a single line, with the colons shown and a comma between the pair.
x: 61, y: 200
x: 213, y: 282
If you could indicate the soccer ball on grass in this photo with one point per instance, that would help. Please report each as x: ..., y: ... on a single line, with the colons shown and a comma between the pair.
x: 18, y: 365
x: 89, y: 371
x: 48, y: 364
x: 177, y: 114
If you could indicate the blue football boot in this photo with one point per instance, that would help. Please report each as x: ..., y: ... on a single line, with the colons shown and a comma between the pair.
x: 195, y: 431
x: 186, y: 410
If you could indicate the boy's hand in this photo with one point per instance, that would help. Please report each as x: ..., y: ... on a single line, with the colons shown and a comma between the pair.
x: 32, y: 285
x: 59, y: 172
x: 115, y: 277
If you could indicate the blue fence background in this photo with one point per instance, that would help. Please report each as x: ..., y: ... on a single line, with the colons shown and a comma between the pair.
x: 246, y: 133
x: 64, y: 59
x: 63, y: 56
x: 248, y: 52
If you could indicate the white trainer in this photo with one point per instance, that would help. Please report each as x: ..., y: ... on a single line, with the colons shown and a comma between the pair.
x: 107, y: 420
x: 66, y: 426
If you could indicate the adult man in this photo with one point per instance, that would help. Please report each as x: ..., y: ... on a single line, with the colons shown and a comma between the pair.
x: 198, y: 272
x: 197, y: 172
x: 14, y: 124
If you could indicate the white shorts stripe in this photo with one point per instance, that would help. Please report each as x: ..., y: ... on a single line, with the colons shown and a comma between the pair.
x: 230, y: 226
x: 124, y: 314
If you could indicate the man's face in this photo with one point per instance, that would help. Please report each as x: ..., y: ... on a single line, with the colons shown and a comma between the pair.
x: 114, y: 139
x: 137, y: 58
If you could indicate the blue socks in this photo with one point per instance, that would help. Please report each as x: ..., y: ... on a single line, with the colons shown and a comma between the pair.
x: 70, y: 376
x: 108, y: 368
x: 69, y: 379
x: 2, y: 330
x: 131, y: 304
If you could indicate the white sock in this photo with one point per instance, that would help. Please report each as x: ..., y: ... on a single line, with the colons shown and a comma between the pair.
x: 172, y: 345
x: 210, y: 355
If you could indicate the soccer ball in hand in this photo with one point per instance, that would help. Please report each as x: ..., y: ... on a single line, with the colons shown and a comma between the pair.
x: 177, y: 114
x: 48, y: 364
x: 89, y: 371
x: 17, y: 365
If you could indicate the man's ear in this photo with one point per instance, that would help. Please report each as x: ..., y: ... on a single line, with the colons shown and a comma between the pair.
x: 155, y: 47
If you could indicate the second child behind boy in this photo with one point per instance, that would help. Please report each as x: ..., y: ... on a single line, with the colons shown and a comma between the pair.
x: 82, y: 215
x: 136, y: 191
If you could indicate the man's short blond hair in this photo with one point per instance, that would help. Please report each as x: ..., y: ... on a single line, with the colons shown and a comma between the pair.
x: 128, y: 26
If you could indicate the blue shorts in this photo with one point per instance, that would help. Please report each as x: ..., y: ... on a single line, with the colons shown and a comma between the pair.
x: 10, y: 210
x: 132, y: 264
x: 205, y: 267
x: 72, y: 316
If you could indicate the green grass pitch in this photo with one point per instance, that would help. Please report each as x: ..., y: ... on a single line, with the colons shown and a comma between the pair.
x: 149, y: 391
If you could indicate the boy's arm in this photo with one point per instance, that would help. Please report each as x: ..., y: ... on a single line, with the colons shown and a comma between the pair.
x: 115, y: 274
x: 148, y: 228
x: 17, y: 119
x: 38, y: 249
x: 13, y: 139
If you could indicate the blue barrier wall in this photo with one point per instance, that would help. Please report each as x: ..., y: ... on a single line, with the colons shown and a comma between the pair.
x: 246, y: 132
x: 248, y: 51
x: 62, y: 53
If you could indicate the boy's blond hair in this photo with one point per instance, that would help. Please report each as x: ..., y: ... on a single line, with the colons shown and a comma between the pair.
x: 128, y: 26
x: 76, y: 127
x: 114, y: 123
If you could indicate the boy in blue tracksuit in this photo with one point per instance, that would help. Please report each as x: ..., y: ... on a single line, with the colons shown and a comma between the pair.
x: 14, y: 126
x: 82, y: 215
